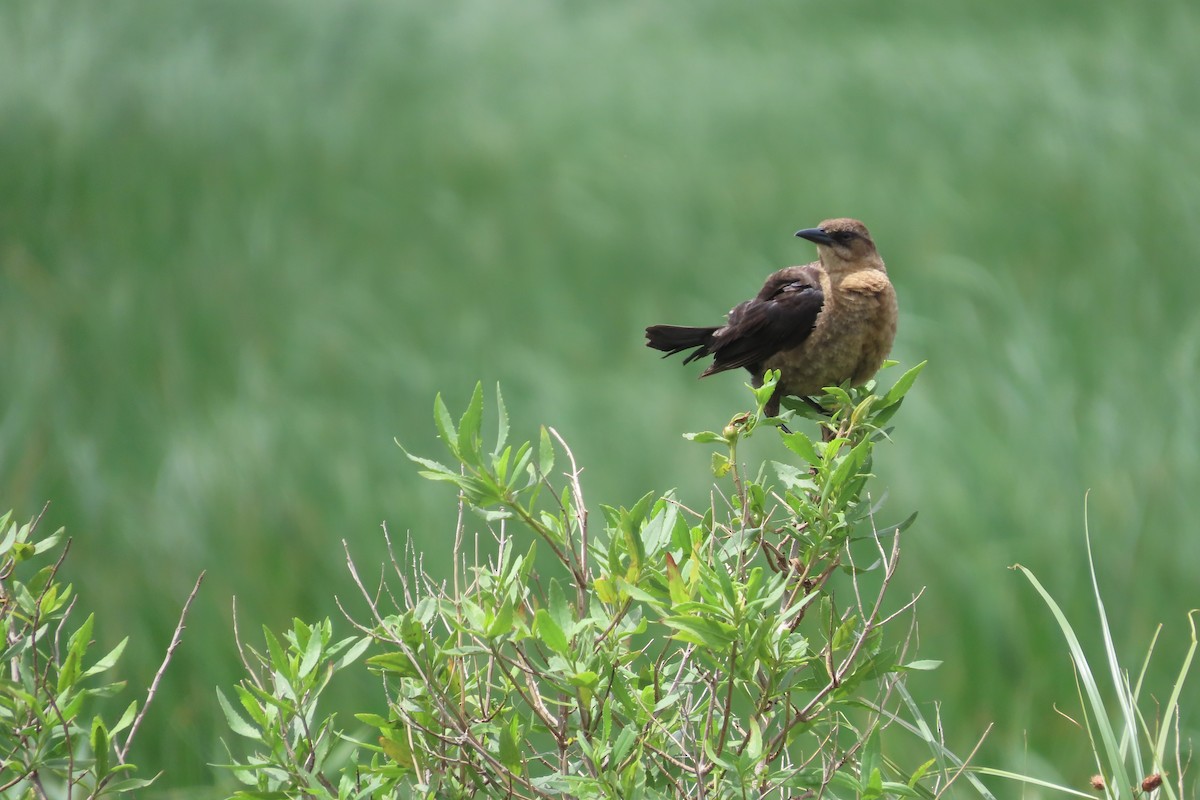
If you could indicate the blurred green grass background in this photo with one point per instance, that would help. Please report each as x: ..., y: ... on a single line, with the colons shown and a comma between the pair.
x: 243, y: 244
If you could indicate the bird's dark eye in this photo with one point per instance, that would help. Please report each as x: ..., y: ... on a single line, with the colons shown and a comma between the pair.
x: 843, y: 236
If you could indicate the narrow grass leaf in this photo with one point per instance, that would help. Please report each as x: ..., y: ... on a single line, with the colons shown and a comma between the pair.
x: 1088, y: 681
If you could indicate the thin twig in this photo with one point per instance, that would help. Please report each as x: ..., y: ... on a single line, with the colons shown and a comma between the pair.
x: 176, y: 638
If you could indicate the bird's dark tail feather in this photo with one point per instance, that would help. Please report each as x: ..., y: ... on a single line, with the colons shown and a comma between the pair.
x: 672, y: 339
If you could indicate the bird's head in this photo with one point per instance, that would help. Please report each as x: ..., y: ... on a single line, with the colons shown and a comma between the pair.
x: 843, y: 245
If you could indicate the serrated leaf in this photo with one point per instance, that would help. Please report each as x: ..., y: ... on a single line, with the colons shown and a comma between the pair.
x: 624, y: 743
x: 235, y: 721
x: 279, y: 659
x: 469, y: 426
x: 794, y: 478
x: 445, y: 425
x: 432, y: 466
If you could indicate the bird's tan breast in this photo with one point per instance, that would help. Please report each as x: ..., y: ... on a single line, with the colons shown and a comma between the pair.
x: 852, y: 336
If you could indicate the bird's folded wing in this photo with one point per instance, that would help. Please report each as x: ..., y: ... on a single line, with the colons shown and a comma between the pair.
x: 771, y: 323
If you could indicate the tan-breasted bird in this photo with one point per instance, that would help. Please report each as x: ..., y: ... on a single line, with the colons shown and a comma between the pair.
x: 820, y: 325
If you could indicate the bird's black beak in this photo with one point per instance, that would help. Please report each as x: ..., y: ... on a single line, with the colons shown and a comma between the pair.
x: 815, y: 235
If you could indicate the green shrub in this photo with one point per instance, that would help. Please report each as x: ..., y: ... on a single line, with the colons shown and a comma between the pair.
x: 51, y: 742
x: 740, y: 649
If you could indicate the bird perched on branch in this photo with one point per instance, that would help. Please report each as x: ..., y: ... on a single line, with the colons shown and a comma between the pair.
x: 820, y: 325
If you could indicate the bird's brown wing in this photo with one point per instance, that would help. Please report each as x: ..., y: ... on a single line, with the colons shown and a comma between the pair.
x: 781, y: 317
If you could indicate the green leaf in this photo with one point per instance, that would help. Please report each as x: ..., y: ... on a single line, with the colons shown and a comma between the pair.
x: 279, y: 659
x: 605, y: 590
x: 560, y: 608
x: 754, y: 747
x: 624, y: 743
x: 923, y: 665
x: 844, y: 635
x: 501, y: 421
x: 802, y: 446
x: 397, y: 749
x: 82, y: 638
x: 794, y: 478
x: 762, y: 394
x: 351, y: 655
x: 840, y: 395
x: 550, y: 634
x: 397, y: 663
x: 874, y: 788
x: 375, y: 721
x: 675, y: 584
x: 435, y: 468
x: 49, y: 542
x: 545, y: 452
x: 235, y: 721
x: 9, y: 538
x: 920, y: 772
x: 445, y: 425
x: 901, y: 387
x: 510, y: 750
x: 716, y: 759
x: 119, y: 788
x: 126, y: 718
x: 710, y: 633
x: 868, y: 764
x: 502, y: 623
x: 99, y: 740
x: 706, y: 437
x: 312, y: 654
x: 469, y: 425
x: 68, y: 673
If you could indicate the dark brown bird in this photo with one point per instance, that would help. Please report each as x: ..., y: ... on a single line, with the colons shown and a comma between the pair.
x: 820, y: 325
